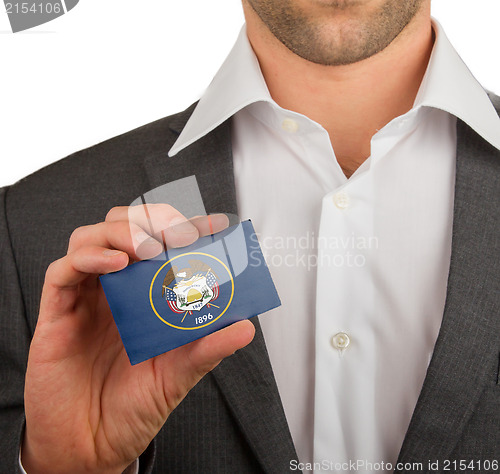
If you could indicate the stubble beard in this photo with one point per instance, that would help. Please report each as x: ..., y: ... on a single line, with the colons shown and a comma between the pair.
x: 338, y: 37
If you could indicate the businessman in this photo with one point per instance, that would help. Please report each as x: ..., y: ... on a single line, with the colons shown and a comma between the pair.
x: 350, y: 125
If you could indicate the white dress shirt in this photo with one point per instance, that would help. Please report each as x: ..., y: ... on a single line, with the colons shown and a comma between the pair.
x: 360, y: 264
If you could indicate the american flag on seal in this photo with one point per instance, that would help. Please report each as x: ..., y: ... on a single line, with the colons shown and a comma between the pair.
x: 171, y: 298
x: 213, y: 284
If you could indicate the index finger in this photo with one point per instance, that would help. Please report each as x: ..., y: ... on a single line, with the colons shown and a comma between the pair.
x: 161, y: 221
x: 167, y: 224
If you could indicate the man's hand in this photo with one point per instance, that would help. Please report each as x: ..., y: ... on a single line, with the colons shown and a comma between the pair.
x: 87, y: 408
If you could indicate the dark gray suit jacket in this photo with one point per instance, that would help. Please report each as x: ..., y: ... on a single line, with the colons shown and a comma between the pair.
x: 233, y: 420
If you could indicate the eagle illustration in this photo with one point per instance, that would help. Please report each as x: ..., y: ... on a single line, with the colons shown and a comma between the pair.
x: 190, y: 289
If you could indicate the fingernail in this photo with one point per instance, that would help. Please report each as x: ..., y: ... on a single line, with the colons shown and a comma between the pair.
x: 142, y: 237
x: 111, y: 253
x: 182, y: 226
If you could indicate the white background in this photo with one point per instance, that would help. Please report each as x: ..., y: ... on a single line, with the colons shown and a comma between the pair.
x: 109, y: 66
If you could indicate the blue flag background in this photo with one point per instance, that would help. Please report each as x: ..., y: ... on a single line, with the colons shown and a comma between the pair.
x: 185, y: 294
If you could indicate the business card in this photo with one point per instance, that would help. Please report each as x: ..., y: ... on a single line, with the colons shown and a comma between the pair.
x: 185, y: 294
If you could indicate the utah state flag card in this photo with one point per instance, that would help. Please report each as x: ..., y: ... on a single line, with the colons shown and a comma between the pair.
x: 185, y: 294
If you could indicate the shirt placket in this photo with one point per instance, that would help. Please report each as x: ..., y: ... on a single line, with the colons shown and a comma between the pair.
x: 344, y: 298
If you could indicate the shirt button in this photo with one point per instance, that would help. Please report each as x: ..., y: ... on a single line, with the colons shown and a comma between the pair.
x: 341, y: 200
x: 340, y: 341
x: 289, y: 125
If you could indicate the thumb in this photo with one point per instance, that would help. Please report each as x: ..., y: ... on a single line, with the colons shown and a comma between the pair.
x: 207, y: 352
x: 182, y: 368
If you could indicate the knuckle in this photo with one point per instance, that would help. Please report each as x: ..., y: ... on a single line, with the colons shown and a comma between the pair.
x: 161, y: 208
x: 76, y: 236
x: 82, y: 236
x: 52, y: 270
x: 113, y: 212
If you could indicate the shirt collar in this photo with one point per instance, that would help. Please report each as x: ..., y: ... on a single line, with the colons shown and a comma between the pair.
x: 447, y: 85
x: 450, y: 86
x: 238, y: 83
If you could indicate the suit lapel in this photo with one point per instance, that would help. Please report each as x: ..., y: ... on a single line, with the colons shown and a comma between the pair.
x: 246, y: 379
x: 248, y: 385
x: 209, y: 159
x: 466, y: 348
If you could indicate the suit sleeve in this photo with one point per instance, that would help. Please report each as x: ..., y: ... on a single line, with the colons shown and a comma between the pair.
x: 15, y: 339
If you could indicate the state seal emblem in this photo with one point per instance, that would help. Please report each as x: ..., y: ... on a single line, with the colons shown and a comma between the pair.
x: 190, y: 290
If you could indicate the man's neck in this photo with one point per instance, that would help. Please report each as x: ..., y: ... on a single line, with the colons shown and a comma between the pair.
x: 351, y: 102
